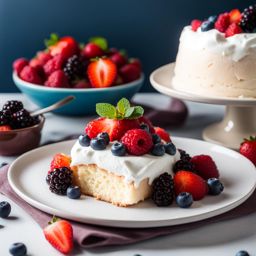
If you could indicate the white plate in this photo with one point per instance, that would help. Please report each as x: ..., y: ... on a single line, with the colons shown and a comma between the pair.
x: 27, y: 177
x: 161, y: 80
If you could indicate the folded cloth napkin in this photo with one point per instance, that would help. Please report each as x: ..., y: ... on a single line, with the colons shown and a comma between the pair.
x: 91, y: 236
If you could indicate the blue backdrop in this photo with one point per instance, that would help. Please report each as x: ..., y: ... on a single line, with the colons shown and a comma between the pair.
x: 148, y: 29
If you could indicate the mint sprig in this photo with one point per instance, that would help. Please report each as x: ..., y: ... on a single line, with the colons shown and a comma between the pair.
x: 123, y: 110
x: 54, y: 38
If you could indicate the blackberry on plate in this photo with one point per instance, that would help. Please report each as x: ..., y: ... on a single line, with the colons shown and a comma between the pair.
x: 59, y: 180
x: 5, y: 117
x: 13, y: 106
x: 248, y: 20
x: 163, y: 193
x: 74, y: 68
x: 184, y: 155
x: 22, y: 119
x: 183, y: 165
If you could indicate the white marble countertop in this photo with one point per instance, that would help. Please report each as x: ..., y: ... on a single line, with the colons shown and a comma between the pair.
x: 225, y: 238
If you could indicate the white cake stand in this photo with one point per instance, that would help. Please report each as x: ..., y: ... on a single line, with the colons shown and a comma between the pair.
x: 239, y: 121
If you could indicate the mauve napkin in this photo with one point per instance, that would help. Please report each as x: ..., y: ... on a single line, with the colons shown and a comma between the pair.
x: 89, y: 236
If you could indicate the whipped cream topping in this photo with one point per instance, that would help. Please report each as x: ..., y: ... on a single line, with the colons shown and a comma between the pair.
x: 236, y: 47
x: 132, y: 168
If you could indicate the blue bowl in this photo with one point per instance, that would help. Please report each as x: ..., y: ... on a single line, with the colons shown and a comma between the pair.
x: 85, y: 99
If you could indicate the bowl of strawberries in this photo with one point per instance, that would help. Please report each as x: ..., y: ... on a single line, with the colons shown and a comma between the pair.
x: 91, y: 72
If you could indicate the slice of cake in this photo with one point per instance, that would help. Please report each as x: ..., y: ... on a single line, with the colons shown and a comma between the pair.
x: 217, y: 57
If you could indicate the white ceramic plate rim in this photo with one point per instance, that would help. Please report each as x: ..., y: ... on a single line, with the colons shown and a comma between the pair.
x: 168, y: 89
x: 124, y: 223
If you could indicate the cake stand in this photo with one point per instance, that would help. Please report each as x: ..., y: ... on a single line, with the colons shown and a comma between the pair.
x: 240, y: 118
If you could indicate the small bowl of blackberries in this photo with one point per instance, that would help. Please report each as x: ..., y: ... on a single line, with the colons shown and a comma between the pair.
x: 19, y: 130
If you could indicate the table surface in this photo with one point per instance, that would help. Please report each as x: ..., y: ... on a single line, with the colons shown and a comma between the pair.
x: 225, y: 238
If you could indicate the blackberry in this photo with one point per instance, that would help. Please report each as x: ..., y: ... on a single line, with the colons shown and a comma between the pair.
x: 59, y: 180
x: 184, y: 155
x: 22, y: 119
x: 183, y: 165
x: 13, y: 106
x: 74, y: 68
x: 5, y: 117
x: 248, y: 20
x: 163, y: 192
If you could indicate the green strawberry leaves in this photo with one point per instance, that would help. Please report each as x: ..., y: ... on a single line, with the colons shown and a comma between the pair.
x: 123, y: 110
x: 54, y: 38
x: 100, y: 41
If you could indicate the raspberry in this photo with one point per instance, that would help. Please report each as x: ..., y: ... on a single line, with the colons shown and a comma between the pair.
x: 164, y: 135
x: 57, y: 79
x: 137, y: 141
x: 195, y: 24
x: 53, y: 64
x: 222, y: 22
x: 74, y: 68
x: 233, y: 29
x: 19, y: 64
x: 248, y: 20
x: 13, y: 106
x: 30, y: 74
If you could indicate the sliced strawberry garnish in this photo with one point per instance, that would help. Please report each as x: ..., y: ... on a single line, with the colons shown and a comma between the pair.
x: 59, y: 233
x: 235, y: 16
x: 102, y: 72
x: 5, y: 128
x: 185, y: 181
x: 60, y: 160
x: 164, y: 135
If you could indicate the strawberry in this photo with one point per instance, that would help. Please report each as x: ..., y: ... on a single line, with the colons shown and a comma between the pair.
x: 115, y: 128
x: 92, y: 50
x: 19, y: 64
x: 205, y: 166
x: 222, y: 22
x: 57, y: 79
x: 195, y: 24
x: 163, y: 134
x: 82, y: 84
x: 129, y: 72
x: 119, y: 59
x: 248, y: 149
x: 5, y: 128
x: 233, y: 29
x: 144, y: 120
x: 235, y: 16
x: 185, y: 181
x: 60, y: 160
x: 53, y: 64
x: 30, y: 74
x: 102, y: 72
x: 59, y: 233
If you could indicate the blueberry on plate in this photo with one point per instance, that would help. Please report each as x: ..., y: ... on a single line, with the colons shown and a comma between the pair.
x: 5, y: 209
x: 18, y: 249
x: 207, y: 25
x: 242, y: 253
x: 84, y: 140
x: 170, y: 148
x: 118, y: 149
x: 215, y: 186
x: 158, y: 149
x: 105, y: 136
x: 184, y: 200
x: 73, y: 192
x: 144, y: 127
x: 156, y: 138
x: 98, y: 144
x: 213, y: 18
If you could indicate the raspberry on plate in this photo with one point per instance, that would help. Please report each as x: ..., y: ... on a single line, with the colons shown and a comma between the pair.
x: 164, y: 135
x: 19, y: 64
x: 57, y: 79
x: 222, y: 22
x: 30, y: 74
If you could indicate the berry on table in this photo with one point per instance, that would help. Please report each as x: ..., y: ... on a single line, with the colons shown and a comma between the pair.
x: 118, y: 149
x: 170, y: 148
x: 248, y: 149
x: 158, y: 149
x: 248, y: 19
x: 156, y: 138
x: 57, y: 79
x: 105, y: 136
x: 163, y: 193
x: 215, y: 186
x: 242, y: 253
x: 19, y: 64
x: 207, y: 25
x: 222, y: 22
x: 13, y: 106
x: 164, y: 135
x: 30, y: 74
x: 84, y: 140
x: 18, y: 249
x: 98, y: 143
x: 184, y: 200
x: 73, y: 192
x: 195, y: 24
x: 5, y: 209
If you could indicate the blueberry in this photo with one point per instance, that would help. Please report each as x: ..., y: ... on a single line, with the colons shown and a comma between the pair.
x: 184, y: 200
x: 73, y: 192
x: 98, y: 144
x: 18, y: 249
x: 213, y: 18
x: 170, y: 148
x: 242, y: 253
x: 207, y: 25
x: 144, y: 127
x: 215, y: 186
x: 118, y: 149
x: 158, y: 149
x: 105, y: 136
x: 156, y: 138
x: 84, y: 140
x: 5, y: 209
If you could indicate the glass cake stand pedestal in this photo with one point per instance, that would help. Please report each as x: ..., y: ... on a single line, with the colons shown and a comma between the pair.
x: 238, y: 123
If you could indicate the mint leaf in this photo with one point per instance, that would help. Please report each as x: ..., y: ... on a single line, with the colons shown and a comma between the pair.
x: 123, y: 105
x: 106, y: 110
x: 54, y: 38
x: 129, y: 112
x: 138, y: 112
x: 100, y: 41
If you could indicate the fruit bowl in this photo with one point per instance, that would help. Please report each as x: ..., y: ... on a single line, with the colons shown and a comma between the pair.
x: 85, y: 99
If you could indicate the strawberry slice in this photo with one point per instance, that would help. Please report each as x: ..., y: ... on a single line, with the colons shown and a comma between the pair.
x: 5, y: 128
x: 102, y: 72
x: 163, y: 134
x: 115, y: 128
x: 235, y: 16
x: 185, y: 181
x: 59, y: 233
x: 60, y: 160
